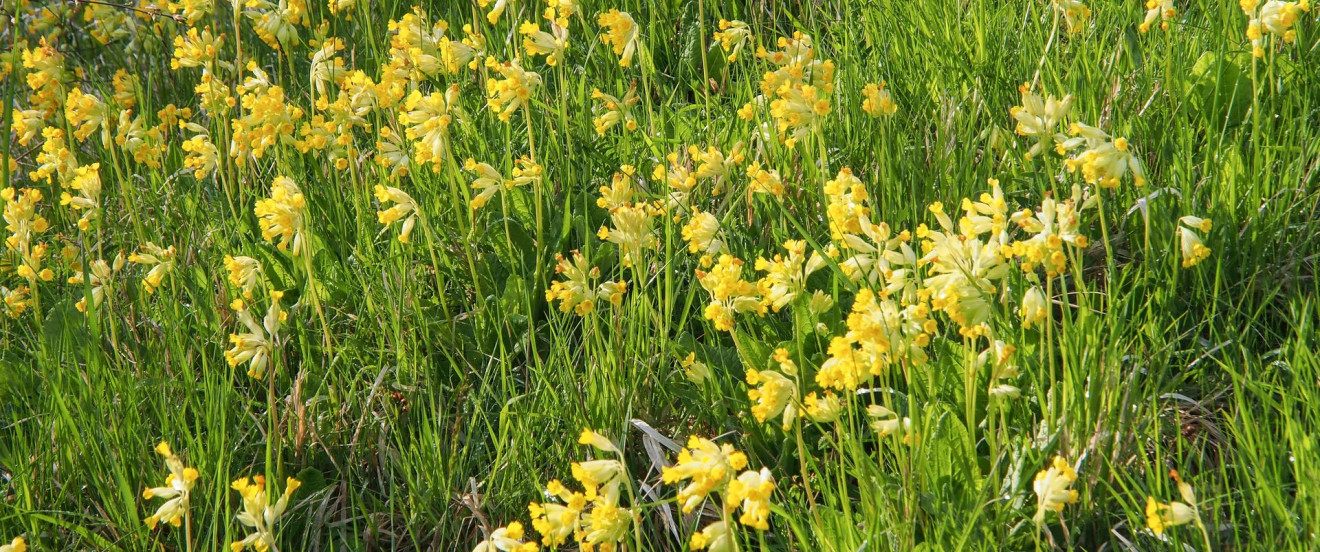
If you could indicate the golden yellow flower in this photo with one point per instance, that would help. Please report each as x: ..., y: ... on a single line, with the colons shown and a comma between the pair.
x: 281, y: 215
x: 258, y: 513
x: 506, y: 539
x: 404, y: 206
x: 752, y: 489
x: 176, y: 492
x: 877, y: 100
x: 621, y: 34
x: 506, y: 95
x: 729, y: 293
x: 733, y: 36
x: 161, y: 261
x: 1053, y: 488
x: 706, y: 466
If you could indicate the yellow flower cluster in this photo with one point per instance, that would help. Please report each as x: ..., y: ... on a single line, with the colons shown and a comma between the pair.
x: 258, y: 513
x: 1271, y: 20
x: 176, y: 492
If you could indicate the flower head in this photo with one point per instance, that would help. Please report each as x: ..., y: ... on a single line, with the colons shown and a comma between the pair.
x: 281, y: 215
x: 258, y: 513
x: 176, y: 491
x: 706, y: 466
x: 1053, y: 488
x: 621, y: 34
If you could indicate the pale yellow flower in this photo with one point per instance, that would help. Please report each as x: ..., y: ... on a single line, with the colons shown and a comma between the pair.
x: 1053, y: 488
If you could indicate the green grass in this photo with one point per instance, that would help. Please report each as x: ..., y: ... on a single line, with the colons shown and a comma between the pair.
x: 452, y: 392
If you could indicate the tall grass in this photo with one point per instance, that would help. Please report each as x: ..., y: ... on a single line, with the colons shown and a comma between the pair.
x: 425, y: 392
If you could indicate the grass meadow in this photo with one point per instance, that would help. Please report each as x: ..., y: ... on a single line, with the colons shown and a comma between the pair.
x: 660, y: 275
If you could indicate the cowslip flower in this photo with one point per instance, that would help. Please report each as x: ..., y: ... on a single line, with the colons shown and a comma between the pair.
x: 201, y: 155
x: 786, y: 276
x: 577, y: 291
x: 176, y: 492
x: 391, y: 154
x: 752, y: 489
x: 267, y: 121
x: 244, y: 273
x: 196, y: 49
x: 404, y: 206
x: 715, y: 537
x: 764, y: 181
x: 55, y: 162
x: 100, y: 275
x: 326, y: 67
x: 1161, y: 10
x: 729, y: 293
x: 1034, y: 306
x: 607, y: 524
x: 465, y: 52
x: 86, y: 114
x: 488, y: 182
x: 506, y: 539
x: 702, y: 233
x: 1162, y: 515
x: 258, y: 513
x: 595, y: 474
x: 733, y: 36
x: 1054, y: 225
x: 281, y: 215
x: 1193, y: 249
x: 506, y: 95
x: 161, y: 261
x: 557, y: 521
x: 255, y: 346
x: 798, y: 109
x: 716, y: 165
x: 87, y: 182
x: 613, y: 111
x: 773, y: 394
x: 1003, y: 370
x: 27, y: 124
x: 1274, y: 19
x: 706, y: 466
x: 885, y: 422
x: 621, y: 34
x: 24, y: 224
x: 600, y: 442
x: 620, y: 191
x: 497, y: 10
x: 823, y: 408
x: 15, y: 301
x: 1103, y: 160
x: 550, y: 44
x: 276, y: 23
x: 1053, y: 489
x: 1038, y: 117
x: 877, y: 100
x: 1075, y: 13
x: 695, y: 370
x: 632, y: 232
x: 426, y: 123
x: 963, y: 273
